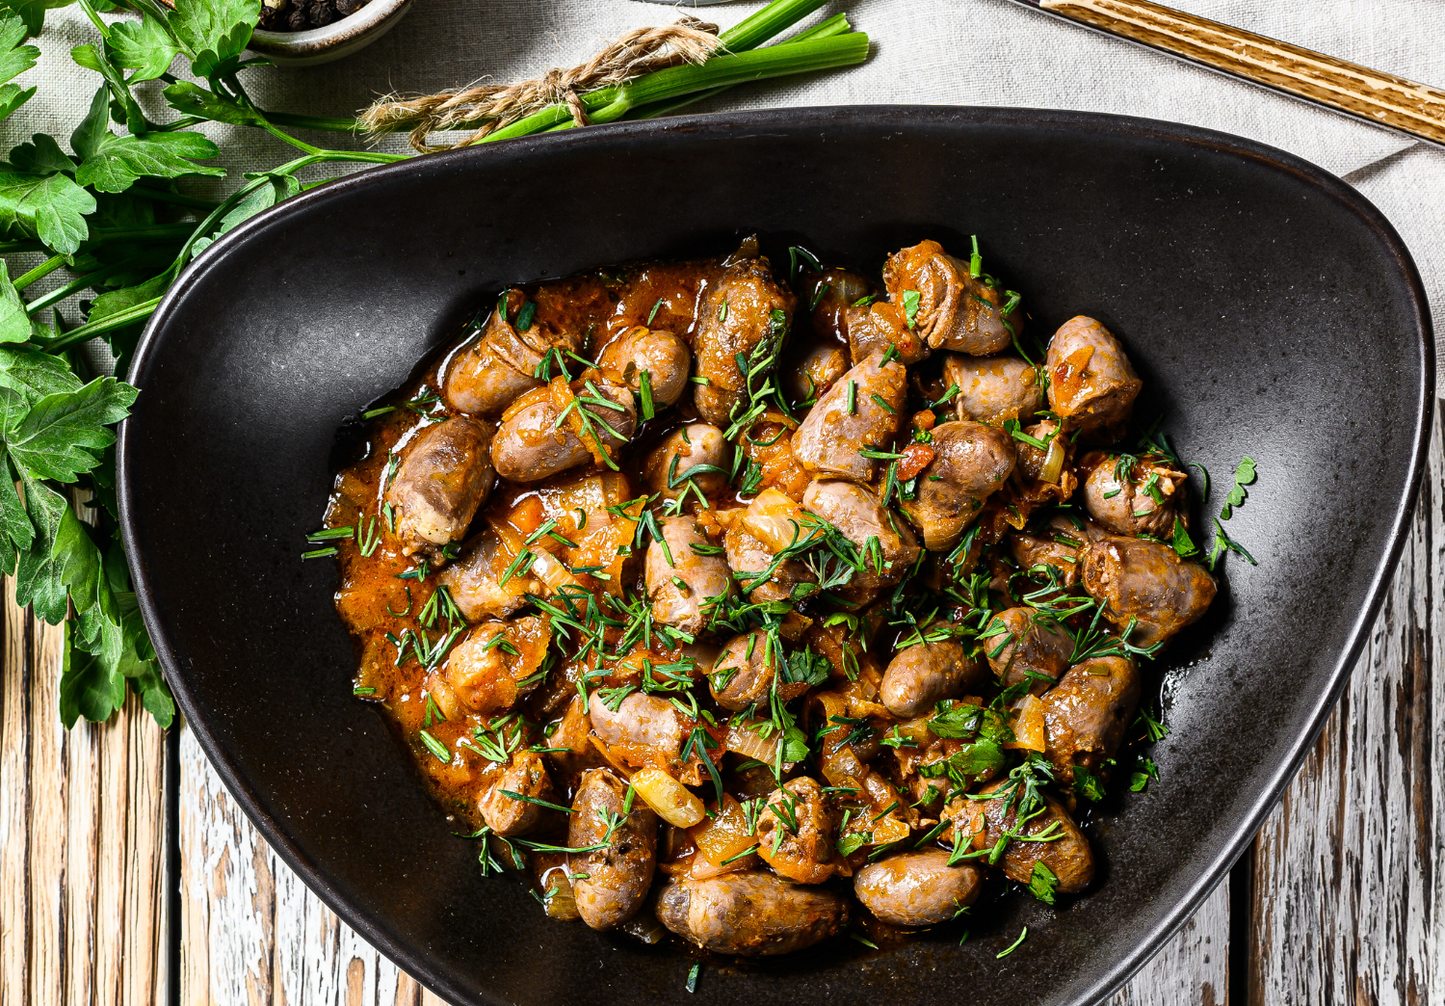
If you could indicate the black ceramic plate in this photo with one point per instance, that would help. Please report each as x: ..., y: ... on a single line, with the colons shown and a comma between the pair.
x: 1270, y: 309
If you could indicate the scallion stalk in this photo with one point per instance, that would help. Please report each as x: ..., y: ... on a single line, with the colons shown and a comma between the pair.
x: 738, y: 43
x: 727, y: 71
x: 835, y: 25
x: 754, y: 30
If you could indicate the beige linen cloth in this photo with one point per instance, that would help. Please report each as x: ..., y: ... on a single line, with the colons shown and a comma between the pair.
x: 980, y: 52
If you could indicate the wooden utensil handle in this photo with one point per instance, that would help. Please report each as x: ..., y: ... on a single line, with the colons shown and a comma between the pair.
x: 1380, y: 98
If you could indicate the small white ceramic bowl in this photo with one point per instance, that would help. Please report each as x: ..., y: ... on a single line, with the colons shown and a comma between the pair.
x: 340, y: 38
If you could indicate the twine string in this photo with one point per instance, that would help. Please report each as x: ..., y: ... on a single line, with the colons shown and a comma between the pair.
x: 640, y: 51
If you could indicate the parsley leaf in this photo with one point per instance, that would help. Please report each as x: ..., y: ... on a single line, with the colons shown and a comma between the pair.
x: 116, y: 162
x: 806, y: 666
x: 87, y: 687
x: 281, y: 188
x: 15, y: 58
x: 143, y: 46
x: 1183, y: 544
x: 12, y: 96
x: 192, y: 99
x: 50, y: 207
x: 1042, y: 883
x: 1087, y: 784
x: 41, y: 156
x: 35, y: 374
x: 18, y: 531
x: 61, y: 435
x: 38, y: 579
x: 14, y: 322
x: 1243, y: 476
x: 1140, y: 779
x: 911, y: 301
x: 32, y: 12
x: 1223, y: 543
x: 956, y: 720
x: 92, y: 58
x: 214, y: 33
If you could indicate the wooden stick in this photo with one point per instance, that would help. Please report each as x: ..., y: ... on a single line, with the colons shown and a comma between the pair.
x: 1379, y: 98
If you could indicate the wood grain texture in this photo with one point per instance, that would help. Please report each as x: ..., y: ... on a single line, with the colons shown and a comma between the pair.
x: 83, y: 885
x: 253, y: 933
x: 1347, y: 894
x: 1381, y: 98
x: 1192, y: 969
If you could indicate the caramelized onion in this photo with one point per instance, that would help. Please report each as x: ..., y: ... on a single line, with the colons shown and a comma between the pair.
x: 557, y: 895
x: 776, y: 521
x: 1028, y: 725
x: 552, y: 573
x: 742, y: 739
x: 1054, y: 460
x: 672, y: 801
x: 724, y: 837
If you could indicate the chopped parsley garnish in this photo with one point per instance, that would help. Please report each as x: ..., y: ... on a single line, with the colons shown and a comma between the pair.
x: 1140, y: 778
x: 1016, y: 943
x: 1042, y: 883
x: 911, y: 303
x: 1243, y: 476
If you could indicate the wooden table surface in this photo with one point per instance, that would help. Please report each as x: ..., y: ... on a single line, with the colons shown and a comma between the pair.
x: 129, y: 876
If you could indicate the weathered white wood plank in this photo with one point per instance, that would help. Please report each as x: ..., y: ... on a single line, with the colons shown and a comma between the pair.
x: 82, y: 839
x: 1346, y: 889
x: 14, y: 809
x: 1193, y: 967
x: 46, y: 865
x: 252, y: 932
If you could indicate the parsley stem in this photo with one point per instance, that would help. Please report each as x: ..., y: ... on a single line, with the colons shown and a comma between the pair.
x: 162, y: 196
x: 288, y: 138
x: 111, y: 321
x: 753, y: 31
x: 738, y: 42
x: 318, y: 122
x: 290, y: 167
x: 76, y: 285
x: 39, y: 272
x: 100, y: 25
x: 109, y: 235
x: 184, y: 122
x: 245, y: 99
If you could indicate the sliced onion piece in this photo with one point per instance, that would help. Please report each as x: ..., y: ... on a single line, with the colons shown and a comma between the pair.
x: 742, y: 739
x: 723, y: 842
x: 1054, y: 461
x: 1028, y: 725
x: 776, y: 521
x: 552, y: 573
x: 674, y: 802
x: 557, y: 896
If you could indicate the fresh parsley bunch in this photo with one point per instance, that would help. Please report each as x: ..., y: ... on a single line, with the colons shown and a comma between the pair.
x: 106, y: 212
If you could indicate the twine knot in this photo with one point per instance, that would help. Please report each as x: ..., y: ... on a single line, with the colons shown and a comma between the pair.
x: 489, y: 107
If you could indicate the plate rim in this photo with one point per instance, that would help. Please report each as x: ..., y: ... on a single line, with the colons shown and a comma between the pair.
x: 1085, y: 125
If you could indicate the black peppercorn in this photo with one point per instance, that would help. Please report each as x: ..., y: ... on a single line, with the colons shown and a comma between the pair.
x: 301, y: 15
